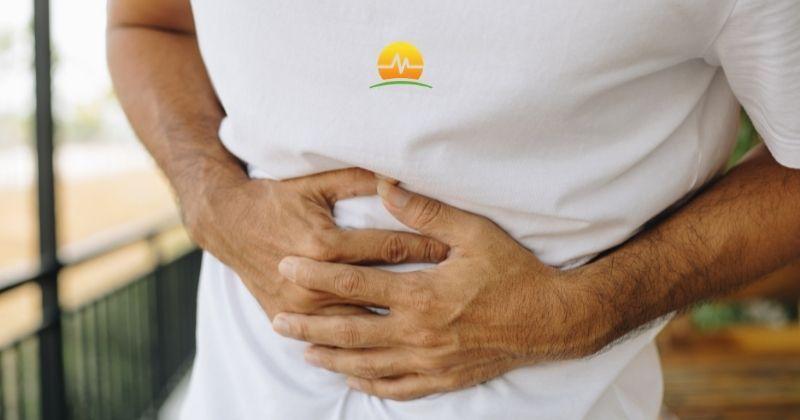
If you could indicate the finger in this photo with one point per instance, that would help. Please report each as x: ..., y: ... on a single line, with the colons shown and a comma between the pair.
x: 428, y: 216
x: 387, y: 179
x: 414, y: 386
x: 375, y: 245
x: 363, y: 363
x: 342, y: 310
x: 403, y: 388
x: 298, y: 299
x: 363, y: 284
x: 345, y: 331
x: 343, y: 183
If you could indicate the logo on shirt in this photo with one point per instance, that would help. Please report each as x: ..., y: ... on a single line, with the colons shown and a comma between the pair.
x: 400, y: 63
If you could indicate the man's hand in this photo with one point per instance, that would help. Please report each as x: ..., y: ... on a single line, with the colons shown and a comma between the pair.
x: 490, y: 307
x: 252, y: 224
x: 248, y: 224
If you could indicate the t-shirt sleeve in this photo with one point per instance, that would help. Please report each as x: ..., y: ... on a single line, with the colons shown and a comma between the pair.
x: 759, y: 51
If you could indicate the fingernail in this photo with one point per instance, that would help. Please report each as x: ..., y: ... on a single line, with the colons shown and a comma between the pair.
x: 312, y: 359
x: 280, y: 325
x: 354, y: 383
x: 395, y: 196
x: 288, y: 267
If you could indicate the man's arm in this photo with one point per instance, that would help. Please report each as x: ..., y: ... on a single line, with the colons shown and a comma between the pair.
x: 248, y: 224
x: 162, y: 84
x: 492, y: 306
x: 739, y: 229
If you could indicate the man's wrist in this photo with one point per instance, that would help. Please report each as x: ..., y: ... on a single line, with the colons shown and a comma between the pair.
x: 201, y: 185
x: 594, y: 309
x: 578, y: 322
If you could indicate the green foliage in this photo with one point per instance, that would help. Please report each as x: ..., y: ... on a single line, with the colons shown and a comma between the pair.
x: 746, y: 139
x: 713, y: 316
x: 716, y: 315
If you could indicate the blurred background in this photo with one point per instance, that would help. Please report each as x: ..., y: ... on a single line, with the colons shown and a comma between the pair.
x: 114, y: 333
x: 106, y: 329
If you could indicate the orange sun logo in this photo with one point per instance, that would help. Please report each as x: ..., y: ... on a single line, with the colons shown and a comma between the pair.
x: 400, y: 63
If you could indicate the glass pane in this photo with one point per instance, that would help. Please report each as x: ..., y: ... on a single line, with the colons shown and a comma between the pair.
x: 18, y: 235
x: 105, y: 178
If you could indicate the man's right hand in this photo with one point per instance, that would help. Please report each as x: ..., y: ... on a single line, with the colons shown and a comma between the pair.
x: 248, y: 224
x: 251, y: 224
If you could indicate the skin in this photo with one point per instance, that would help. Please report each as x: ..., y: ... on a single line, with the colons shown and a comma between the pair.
x: 248, y: 224
x: 489, y: 305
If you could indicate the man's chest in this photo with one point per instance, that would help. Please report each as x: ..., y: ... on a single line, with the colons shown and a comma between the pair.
x: 536, y: 47
x: 312, y: 85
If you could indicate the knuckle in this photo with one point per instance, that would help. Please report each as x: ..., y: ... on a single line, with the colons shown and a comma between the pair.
x: 479, y: 228
x: 422, y: 299
x: 348, y: 181
x: 300, y: 330
x: 349, y: 282
x: 357, y: 174
x: 434, y: 251
x: 346, y: 335
x: 368, y: 370
x: 394, y: 249
x: 326, y: 362
x: 397, y: 395
x: 433, y: 366
x: 426, y: 338
x: 318, y: 247
x: 486, y: 226
x: 428, y: 212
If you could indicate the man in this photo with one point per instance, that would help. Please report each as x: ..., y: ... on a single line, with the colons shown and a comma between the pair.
x: 533, y: 138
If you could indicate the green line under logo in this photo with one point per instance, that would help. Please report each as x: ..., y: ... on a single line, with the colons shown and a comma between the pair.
x: 401, y: 82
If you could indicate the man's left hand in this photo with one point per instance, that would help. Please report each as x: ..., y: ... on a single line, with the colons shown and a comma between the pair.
x: 490, y: 307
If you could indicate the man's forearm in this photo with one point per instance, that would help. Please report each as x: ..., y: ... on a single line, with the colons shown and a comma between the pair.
x: 163, y: 86
x: 741, y: 228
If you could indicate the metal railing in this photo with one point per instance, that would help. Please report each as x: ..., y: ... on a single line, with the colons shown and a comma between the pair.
x: 114, y: 356
x: 122, y: 352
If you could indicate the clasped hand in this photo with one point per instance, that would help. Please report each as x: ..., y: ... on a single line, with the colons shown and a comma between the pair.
x: 251, y: 224
x: 489, y: 307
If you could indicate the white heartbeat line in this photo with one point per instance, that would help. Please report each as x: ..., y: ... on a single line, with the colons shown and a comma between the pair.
x: 400, y: 64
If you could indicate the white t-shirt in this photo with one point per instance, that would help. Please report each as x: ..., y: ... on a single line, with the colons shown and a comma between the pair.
x: 568, y: 123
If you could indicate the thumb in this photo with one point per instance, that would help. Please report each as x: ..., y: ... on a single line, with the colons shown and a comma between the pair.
x: 428, y: 216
